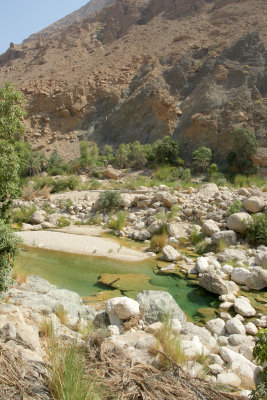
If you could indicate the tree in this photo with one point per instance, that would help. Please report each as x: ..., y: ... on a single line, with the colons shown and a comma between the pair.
x: 202, y: 159
x: 9, y: 168
x: 167, y: 151
x: 8, y: 252
x: 11, y: 113
x: 123, y: 155
x: 245, y: 145
x: 89, y: 153
x: 260, y: 354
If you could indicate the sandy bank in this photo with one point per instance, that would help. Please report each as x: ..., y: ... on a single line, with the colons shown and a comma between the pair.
x: 80, y: 244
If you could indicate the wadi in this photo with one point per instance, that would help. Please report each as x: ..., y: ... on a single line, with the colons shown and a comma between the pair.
x: 133, y: 204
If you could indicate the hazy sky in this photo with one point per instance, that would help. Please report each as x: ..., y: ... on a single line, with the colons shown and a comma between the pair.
x: 20, y: 18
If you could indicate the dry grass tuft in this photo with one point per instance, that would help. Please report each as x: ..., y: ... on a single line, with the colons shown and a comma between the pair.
x: 62, y: 315
x: 20, y: 277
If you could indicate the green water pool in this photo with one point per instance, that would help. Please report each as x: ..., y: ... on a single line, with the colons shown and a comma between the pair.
x: 80, y: 274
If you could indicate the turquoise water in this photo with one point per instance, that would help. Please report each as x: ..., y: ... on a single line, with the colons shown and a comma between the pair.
x: 80, y: 274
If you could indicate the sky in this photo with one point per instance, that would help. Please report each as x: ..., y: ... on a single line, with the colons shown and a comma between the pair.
x: 20, y: 18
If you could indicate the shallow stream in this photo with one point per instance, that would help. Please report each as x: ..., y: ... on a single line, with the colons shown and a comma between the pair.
x: 81, y: 273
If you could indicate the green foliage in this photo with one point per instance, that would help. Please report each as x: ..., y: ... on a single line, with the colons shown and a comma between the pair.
x: 166, y: 151
x: 69, y: 183
x: 118, y: 221
x: 196, y: 236
x: 201, y: 159
x: 56, y: 164
x: 257, y: 229
x: 213, y: 169
x: 245, y: 145
x: 109, y: 201
x: 23, y: 214
x: 31, y: 162
x: 260, y: 354
x: 8, y: 252
x: 11, y: 113
x: 9, y: 167
x: 62, y: 222
x: 234, y: 208
x: 247, y: 181
x: 89, y: 154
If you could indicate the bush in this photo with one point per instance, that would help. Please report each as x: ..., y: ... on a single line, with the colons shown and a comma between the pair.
x: 260, y: 355
x: 23, y: 214
x: 62, y: 222
x: 257, y: 229
x: 245, y: 145
x: 118, y: 222
x: 196, y: 236
x: 109, y: 201
x: 158, y: 242
x: 69, y: 183
x: 8, y: 251
x: 201, y: 159
x: 234, y: 208
x: 167, y: 151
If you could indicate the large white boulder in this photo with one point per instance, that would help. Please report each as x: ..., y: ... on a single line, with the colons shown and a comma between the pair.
x: 227, y: 237
x: 229, y: 379
x: 254, y: 204
x: 121, y: 308
x: 170, y: 254
x: 210, y: 227
x: 238, y: 221
x: 257, y: 280
x: 216, y: 326
x: 202, y: 265
x: 240, y: 275
x: 239, y: 364
x: 38, y: 217
x: 234, y: 325
x: 243, y: 307
x: 193, y: 348
x: 216, y: 284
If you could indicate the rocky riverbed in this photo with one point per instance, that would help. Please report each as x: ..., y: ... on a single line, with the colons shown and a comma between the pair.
x: 228, y: 267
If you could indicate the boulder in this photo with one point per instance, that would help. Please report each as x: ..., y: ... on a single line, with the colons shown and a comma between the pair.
x: 227, y: 237
x: 229, y: 379
x: 210, y: 227
x: 121, y: 308
x: 158, y: 305
x: 29, y: 335
x: 240, y: 275
x: 257, y: 280
x: 254, y: 204
x: 243, y: 307
x: 206, y: 338
x: 111, y: 173
x: 234, y: 325
x: 244, y: 368
x: 251, y: 329
x: 169, y: 200
x: 216, y: 284
x: 208, y: 189
x: 170, y: 254
x: 232, y: 254
x: 216, y: 326
x: 193, y: 348
x: 53, y: 218
x: 177, y: 230
x: 202, y: 265
x: 237, y: 222
x: 38, y: 217
x: 26, y: 227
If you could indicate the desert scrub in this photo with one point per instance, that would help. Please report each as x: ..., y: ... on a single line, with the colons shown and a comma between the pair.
x: 169, y: 345
x: 69, y: 379
x: 257, y: 229
x: 234, y: 208
x: 118, y: 221
x: 68, y: 183
x: 62, y: 222
x: 158, y: 242
x: 62, y: 314
x: 23, y: 214
x: 109, y: 201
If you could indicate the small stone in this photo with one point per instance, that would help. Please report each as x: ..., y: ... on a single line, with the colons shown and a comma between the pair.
x: 234, y: 325
x: 243, y: 307
x: 251, y: 329
x: 170, y: 254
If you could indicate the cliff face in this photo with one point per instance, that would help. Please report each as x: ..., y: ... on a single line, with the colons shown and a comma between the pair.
x: 144, y: 69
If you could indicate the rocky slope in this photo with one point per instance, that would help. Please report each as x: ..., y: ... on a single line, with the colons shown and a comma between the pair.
x: 144, y: 69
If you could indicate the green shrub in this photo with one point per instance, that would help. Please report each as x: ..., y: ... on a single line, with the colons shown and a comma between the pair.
x: 109, y: 201
x: 234, y: 208
x: 63, y: 221
x: 213, y: 169
x: 260, y: 355
x: 23, y: 214
x: 8, y: 252
x: 119, y: 221
x: 245, y: 145
x: 68, y: 183
x: 196, y: 236
x: 201, y: 159
x: 257, y: 229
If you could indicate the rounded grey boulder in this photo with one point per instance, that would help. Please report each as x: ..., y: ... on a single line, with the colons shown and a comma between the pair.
x: 158, y: 305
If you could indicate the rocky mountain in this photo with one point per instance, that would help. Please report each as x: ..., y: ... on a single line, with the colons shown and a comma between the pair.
x: 143, y: 69
x: 90, y: 8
